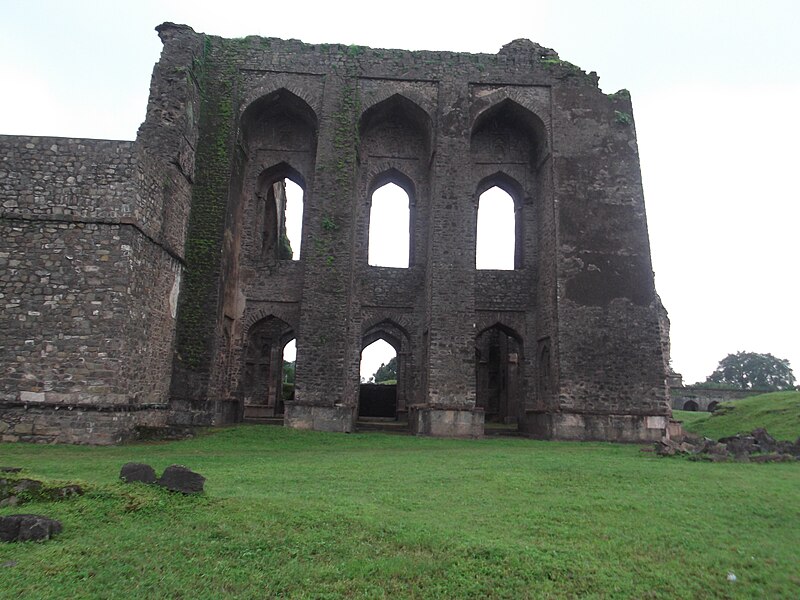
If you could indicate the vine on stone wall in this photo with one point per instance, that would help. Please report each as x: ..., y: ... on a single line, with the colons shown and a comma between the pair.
x: 204, y: 238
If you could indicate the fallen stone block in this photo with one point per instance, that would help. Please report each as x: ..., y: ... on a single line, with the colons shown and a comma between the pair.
x: 765, y: 441
x: 178, y: 478
x: 137, y: 472
x: 27, y: 528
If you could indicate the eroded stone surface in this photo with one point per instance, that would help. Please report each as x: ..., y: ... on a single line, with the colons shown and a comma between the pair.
x: 26, y: 528
x: 137, y: 472
x: 178, y: 478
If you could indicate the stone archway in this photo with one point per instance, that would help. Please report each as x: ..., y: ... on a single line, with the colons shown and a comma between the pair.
x: 263, y: 368
x: 499, y: 374
x: 397, y: 337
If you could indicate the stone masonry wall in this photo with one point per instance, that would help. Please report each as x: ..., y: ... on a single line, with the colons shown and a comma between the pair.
x: 143, y: 257
x: 581, y: 300
x: 93, y: 240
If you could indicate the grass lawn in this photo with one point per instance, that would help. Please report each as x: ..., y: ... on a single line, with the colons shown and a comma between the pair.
x: 297, y: 514
x: 779, y: 412
x: 691, y: 419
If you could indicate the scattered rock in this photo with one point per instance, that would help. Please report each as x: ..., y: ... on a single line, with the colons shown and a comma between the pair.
x: 758, y: 446
x: 10, y: 469
x: 68, y: 491
x: 18, y: 491
x: 137, y: 472
x: 765, y: 441
x: 178, y: 478
x: 25, y: 528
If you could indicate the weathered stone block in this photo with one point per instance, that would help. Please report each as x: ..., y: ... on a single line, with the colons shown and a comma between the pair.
x: 137, y: 472
x: 26, y: 528
x: 339, y: 419
x: 178, y: 478
x: 446, y: 422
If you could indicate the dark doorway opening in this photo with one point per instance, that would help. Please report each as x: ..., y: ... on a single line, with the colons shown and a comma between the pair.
x: 264, y: 384
x: 498, y: 371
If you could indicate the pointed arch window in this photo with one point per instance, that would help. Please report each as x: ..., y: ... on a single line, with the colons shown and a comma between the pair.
x: 496, y: 242
x: 389, y: 227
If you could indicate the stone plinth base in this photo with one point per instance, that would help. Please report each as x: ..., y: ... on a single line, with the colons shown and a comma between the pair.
x: 446, y: 422
x: 585, y: 426
x: 320, y: 418
x: 67, y: 424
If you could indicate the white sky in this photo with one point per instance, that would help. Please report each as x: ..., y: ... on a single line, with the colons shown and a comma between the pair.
x: 715, y: 87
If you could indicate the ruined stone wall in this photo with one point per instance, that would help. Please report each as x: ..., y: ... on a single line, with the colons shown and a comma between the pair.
x: 73, y: 335
x: 444, y: 126
x: 93, y: 234
x: 64, y: 280
x: 177, y: 216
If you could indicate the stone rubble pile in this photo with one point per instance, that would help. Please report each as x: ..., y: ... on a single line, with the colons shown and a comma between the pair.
x: 757, y: 446
x: 18, y: 491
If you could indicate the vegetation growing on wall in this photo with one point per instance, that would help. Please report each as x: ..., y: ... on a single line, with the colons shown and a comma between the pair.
x: 345, y: 142
x: 209, y: 200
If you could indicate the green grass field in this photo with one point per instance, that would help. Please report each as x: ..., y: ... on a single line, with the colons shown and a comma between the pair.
x: 295, y: 514
x: 779, y: 412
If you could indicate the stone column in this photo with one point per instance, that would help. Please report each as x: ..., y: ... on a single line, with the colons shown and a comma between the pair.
x: 449, y: 409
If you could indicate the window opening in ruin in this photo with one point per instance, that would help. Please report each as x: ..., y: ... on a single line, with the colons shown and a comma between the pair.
x: 496, y: 232
x: 378, y: 389
x: 279, y: 221
x: 294, y: 217
x: 287, y: 377
x: 389, y: 227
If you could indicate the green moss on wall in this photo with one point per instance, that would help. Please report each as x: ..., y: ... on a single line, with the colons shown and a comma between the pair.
x: 198, y: 301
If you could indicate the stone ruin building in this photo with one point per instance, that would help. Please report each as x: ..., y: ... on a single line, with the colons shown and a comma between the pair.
x: 149, y: 283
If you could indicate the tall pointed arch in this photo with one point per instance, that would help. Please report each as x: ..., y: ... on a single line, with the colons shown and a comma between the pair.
x: 499, y: 202
x: 392, y: 214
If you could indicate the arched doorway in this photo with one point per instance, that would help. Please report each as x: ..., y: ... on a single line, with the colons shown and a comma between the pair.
x: 377, y: 396
x: 498, y: 374
x: 390, y: 342
x: 690, y: 405
x: 264, y: 372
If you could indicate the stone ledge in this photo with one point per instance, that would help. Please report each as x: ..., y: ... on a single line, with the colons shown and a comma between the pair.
x: 444, y: 421
x: 337, y: 418
x: 595, y: 426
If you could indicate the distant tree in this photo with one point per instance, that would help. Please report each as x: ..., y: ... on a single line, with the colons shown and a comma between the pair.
x: 753, y: 371
x: 712, y: 385
x: 386, y: 371
x: 288, y: 371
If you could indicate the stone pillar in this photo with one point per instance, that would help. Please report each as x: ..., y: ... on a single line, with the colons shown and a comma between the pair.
x: 449, y: 409
x: 326, y: 392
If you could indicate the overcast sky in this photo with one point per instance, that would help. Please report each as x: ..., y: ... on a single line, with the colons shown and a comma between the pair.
x: 715, y: 88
